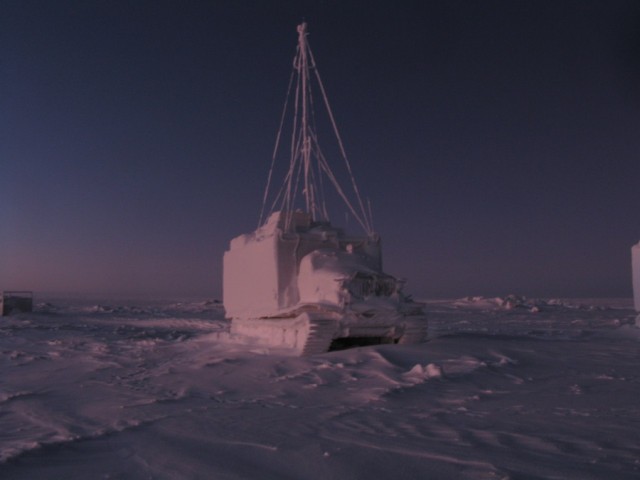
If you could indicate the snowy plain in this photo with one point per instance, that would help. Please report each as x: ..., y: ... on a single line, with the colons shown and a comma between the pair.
x: 507, y: 388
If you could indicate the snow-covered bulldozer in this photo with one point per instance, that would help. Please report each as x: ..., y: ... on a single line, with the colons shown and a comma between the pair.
x: 313, y: 289
x: 298, y: 282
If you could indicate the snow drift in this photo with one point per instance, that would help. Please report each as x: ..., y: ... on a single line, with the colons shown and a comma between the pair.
x: 119, y: 390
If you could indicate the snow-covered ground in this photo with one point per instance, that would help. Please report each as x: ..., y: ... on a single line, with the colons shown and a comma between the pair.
x: 507, y: 388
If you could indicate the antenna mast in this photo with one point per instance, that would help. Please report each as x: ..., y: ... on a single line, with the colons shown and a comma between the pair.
x: 308, y: 165
x: 303, y: 72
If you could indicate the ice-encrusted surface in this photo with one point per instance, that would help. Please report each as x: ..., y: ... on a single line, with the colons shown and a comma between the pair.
x: 508, y: 388
x: 635, y: 271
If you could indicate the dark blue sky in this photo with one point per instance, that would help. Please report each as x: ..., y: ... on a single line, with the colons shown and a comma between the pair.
x: 498, y: 141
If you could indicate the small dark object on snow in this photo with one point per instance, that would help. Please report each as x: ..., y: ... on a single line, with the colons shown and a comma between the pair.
x: 16, y: 302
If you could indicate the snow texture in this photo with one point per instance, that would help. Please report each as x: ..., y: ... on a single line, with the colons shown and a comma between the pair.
x: 508, y: 388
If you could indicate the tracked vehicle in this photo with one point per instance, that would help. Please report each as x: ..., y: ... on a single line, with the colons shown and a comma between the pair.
x: 635, y: 278
x: 298, y: 282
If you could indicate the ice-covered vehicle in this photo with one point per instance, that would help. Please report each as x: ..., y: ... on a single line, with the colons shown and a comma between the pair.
x: 635, y: 276
x: 312, y: 288
x: 297, y: 281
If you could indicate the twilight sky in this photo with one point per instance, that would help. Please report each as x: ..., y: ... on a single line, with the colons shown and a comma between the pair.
x: 498, y: 141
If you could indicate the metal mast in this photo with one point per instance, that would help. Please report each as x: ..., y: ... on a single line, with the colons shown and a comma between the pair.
x: 308, y: 165
x: 305, y: 140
